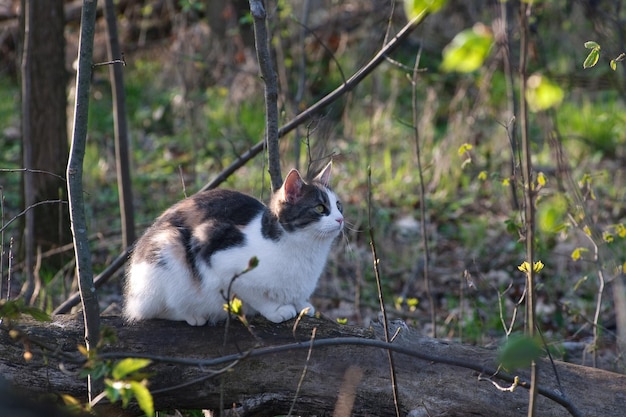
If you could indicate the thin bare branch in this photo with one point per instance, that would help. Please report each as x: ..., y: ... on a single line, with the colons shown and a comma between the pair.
x: 268, y: 74
x: 381, y: 298
x: 529, y: 196
x: 91, y: 309
x: 32, y: 206
x: 422, y: 194
x: 122, y: 163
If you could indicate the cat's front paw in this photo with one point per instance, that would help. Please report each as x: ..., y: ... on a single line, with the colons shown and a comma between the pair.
x: 305, y: 308
x: 282, y: 313
x: 196, y: 320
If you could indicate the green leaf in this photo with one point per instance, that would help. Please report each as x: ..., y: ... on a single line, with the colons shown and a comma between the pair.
x: 468, y: 50
x: 112, y: 390
x: 551, y: 213
x: 37, y: 314
x: 592, y: 45
x: 542, y: 94
x: 144, y: 398
x: 592, y: 58
x: 128, y: 366
x: 519, y: 351
x: 419, y: 8
x: 613, y: 64
x: 12, y: 309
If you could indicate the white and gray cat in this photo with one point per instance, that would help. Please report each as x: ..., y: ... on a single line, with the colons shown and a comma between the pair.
x: 182, y: 266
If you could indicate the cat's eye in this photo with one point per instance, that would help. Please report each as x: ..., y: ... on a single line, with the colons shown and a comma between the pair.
x: 320, y: 208
x: 340, y: 206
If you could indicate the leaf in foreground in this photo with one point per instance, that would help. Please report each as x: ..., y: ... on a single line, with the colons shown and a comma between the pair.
x: 519, y: 351
x: 468, y: 50
x: 128, y: 366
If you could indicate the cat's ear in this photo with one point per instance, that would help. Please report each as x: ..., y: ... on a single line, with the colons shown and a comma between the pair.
x: 324, y: 175
x: 292, y: 187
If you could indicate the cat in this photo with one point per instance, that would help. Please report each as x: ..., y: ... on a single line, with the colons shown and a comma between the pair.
x: 182, y: 266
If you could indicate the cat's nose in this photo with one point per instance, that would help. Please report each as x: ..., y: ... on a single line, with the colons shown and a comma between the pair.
x: 339, y: 220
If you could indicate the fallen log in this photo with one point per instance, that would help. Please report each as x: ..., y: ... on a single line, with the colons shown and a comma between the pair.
x: 346, y: 372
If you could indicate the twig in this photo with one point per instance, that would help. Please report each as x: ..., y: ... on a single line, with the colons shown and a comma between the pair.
x: 422, y: 192
x: 600, y: 293
x: 1, y: 239
x: 509, y: 329
x: 505, y: 51
x: 321, y: 104
x: 34, y: 171
x: 91, y: 310
x: 261, y: 42
x: 379, y: 287
x: 27, y: 209
x: 27, y: 149
x: 556, y: 372
x: 324, y: 46
x: 111, y: 62
x: 120, y: 123
x: 303, y: 374
x: 524, y: 12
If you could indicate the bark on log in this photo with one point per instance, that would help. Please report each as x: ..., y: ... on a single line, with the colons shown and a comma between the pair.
x: 350, y: 376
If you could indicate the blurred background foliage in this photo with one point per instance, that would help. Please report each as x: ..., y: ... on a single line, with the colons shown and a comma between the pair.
x: 195, y: 103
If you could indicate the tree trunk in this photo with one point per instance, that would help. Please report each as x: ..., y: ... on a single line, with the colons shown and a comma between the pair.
x: 45, y: 125
x: 343, y: 376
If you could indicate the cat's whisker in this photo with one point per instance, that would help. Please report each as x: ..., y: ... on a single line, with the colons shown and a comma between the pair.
x: 351, y: 227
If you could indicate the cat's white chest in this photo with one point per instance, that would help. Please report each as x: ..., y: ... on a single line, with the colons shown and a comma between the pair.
x: 294, y: 260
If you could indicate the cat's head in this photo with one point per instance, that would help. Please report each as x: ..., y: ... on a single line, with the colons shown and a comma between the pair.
x: 309, y: 205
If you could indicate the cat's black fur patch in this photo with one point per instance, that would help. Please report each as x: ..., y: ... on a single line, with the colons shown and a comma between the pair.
x: 178, y: 220
x: 228, y: 206
x: 238, y: 209
x: 219, y: 236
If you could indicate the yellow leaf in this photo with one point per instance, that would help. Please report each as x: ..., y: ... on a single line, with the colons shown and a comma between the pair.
x: 235, y: 306
x: 143, y: 396
x: 482, y: 175
x: 541, y: 179
x: 342, y: 320
x: 577, y: 253
x: 83, y: 351
x: 464, y: 148
x: 587, y: 230
x: 524, y: 267
x: 607, y: 236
